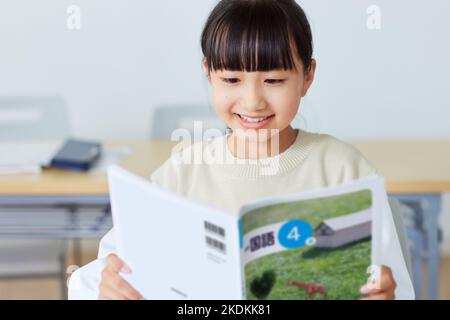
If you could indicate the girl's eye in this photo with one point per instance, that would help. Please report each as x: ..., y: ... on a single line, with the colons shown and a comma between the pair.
x: 230, y: 80
x: 274, y: 81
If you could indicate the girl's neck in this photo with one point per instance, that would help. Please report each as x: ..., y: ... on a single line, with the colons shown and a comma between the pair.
x: 244, y: 148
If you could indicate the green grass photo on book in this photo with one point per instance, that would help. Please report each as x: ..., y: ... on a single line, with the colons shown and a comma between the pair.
x: 309, y: 272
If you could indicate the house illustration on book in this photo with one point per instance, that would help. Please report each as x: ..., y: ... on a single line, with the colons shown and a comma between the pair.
x: 336, y: 232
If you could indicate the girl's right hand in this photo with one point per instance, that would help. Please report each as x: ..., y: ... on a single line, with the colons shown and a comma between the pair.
x: 112, y: 285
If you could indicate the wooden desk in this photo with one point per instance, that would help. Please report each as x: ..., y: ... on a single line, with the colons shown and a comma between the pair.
x: 145, y: 157
x: 410, y: 166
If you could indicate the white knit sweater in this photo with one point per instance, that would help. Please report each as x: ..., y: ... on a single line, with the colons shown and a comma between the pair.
x: 226, y: 182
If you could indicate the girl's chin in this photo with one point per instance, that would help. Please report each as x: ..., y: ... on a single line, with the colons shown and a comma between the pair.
x: 256, y: 135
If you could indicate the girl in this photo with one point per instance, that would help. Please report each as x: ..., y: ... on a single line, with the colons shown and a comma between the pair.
x: 258, y: 61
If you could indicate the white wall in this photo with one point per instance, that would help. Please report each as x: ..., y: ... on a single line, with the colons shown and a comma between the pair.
x: 130, y: 56
x: 389, y: 83
x: 127, y: 57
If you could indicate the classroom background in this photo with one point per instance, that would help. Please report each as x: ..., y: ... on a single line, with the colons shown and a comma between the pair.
x: 115, y: 71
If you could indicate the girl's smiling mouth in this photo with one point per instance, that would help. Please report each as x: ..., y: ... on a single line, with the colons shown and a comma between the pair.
x: 252, y: 122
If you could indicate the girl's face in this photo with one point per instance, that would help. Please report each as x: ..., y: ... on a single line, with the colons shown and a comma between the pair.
x: 259, y: 100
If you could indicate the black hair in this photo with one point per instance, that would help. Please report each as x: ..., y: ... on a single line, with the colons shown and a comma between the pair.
x: 256, y: 35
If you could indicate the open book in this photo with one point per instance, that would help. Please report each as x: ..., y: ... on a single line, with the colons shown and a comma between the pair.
x: 311, y: 245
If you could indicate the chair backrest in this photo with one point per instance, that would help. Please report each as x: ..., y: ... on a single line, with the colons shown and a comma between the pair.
x: 166, y: 119
x: 397, y: 215
x: 33, y: 118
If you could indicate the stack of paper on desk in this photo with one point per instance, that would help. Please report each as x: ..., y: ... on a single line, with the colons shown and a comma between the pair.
x: 26, y: 156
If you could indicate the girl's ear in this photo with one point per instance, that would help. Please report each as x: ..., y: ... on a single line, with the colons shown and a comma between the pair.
x: 205, y: 68
x: 309, y: 78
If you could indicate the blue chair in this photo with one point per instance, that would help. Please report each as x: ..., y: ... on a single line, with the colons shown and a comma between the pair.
x: 413, y: 214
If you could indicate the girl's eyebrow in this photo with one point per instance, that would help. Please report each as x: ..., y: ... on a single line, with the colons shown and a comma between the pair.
x: 278, y: 72
x: 263, y: 72
x: 239, y: 73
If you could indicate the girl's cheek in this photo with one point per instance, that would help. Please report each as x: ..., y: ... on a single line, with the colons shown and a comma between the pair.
x: 223, y: 99
x: 283, y: 100
x: 222, y: 104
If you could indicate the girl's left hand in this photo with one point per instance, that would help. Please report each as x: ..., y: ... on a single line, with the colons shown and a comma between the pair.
x: 383, y: 289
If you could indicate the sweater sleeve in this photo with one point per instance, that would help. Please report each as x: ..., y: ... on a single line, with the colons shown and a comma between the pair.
x: 341, y: 162
x: 84, y: 282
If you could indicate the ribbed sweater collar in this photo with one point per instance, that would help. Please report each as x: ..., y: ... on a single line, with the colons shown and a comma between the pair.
x: 263, y: 168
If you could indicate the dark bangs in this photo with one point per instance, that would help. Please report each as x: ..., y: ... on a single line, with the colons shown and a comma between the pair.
x: 256, y: 35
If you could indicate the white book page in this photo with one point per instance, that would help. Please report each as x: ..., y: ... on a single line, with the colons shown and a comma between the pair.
x: 173, y: 246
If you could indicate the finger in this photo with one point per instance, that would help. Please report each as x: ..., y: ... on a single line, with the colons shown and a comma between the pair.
x: 116, y: 264
x: 387, y: 279
x: 109, y: 293
x: 383, y: 283
x: 380, y: 296
x: 121, y: 285
x: 367, y: 289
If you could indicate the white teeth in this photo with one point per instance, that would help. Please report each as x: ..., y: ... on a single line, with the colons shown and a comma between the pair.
x: 254, y: 120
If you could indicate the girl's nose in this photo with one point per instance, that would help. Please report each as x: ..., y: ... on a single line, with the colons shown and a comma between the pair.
x: 253, y: 100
